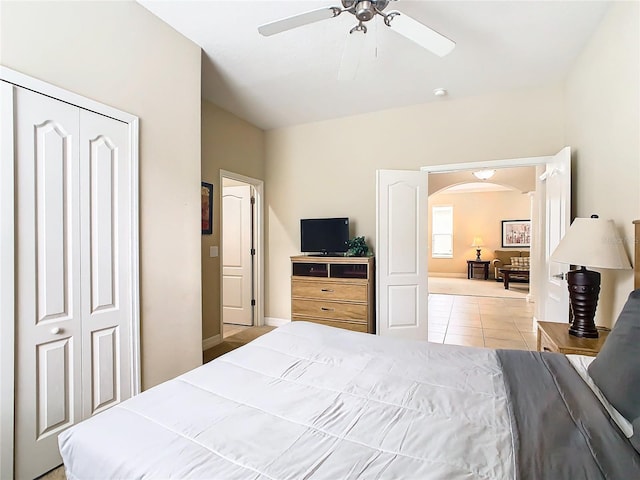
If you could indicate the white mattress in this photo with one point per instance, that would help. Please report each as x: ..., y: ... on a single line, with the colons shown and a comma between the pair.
x: 310, y: 402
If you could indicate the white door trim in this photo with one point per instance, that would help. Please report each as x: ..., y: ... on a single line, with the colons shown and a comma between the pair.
x: 510, y: 162
x: 7, y: 292
x: 7, y: 279
x: 25, y: 81
x: 537, y: 254
x: 259, y: 221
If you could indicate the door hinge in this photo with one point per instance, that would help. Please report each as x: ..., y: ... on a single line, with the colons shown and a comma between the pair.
x: 253, y: 251
x: 253, y: 200
x: 253, y: 302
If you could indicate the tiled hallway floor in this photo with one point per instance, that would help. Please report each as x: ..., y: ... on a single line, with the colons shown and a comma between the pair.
x: 482, y: 322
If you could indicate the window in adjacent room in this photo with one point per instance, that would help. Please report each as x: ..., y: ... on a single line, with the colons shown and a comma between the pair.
x: 442, y: 231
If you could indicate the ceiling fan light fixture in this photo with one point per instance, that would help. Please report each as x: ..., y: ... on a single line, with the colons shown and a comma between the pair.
x: 365, y: 11
x: 484, y: 174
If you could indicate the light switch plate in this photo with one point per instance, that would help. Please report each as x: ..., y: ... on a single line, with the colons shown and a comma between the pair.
x: 213, y: 251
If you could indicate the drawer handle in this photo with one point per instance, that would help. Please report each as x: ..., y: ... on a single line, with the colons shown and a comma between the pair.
x: 326, y: 309
x: 326, y: 290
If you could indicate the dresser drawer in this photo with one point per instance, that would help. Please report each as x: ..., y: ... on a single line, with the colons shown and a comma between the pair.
x: 329, y: 291
x: 330, y: 310
x: 356, y: 327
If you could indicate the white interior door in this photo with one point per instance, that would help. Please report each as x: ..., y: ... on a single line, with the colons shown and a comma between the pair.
x: 237, y: 268
x: 556, y: 182
x: 401, y: 266
x: 48, y: 296
x: 105, y: 170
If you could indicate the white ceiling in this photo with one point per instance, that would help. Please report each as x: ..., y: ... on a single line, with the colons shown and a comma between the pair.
x: 292, y: 78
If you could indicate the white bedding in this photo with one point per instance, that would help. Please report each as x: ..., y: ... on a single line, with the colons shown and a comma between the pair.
x: 310, y: 402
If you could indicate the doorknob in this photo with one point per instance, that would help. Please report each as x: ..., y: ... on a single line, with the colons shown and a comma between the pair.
x: 559, y: 276
x: 56, y: 330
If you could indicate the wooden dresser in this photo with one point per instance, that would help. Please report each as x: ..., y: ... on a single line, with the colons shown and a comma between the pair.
x: 334, y: 291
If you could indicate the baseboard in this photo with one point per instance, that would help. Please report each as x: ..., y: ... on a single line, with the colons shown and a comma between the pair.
x: 207, y: 343
x: 448, y: 275
x: 275, y: 322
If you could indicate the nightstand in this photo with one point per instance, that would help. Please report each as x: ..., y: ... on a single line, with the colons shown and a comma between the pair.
x: 554, y: 337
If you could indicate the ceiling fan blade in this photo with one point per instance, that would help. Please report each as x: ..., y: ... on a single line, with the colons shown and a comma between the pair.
x: 295, y: 21
x: 351, y: 55
x: 422, y: 35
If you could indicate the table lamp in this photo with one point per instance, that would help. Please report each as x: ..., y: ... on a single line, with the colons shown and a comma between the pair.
x: 477, y: 242
x: 589, y: 242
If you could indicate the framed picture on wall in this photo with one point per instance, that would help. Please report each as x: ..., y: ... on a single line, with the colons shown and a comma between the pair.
x: 516, y: 233
x: 206, y: 200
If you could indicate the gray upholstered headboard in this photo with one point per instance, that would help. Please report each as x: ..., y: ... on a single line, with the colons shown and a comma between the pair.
x: 636, y: 260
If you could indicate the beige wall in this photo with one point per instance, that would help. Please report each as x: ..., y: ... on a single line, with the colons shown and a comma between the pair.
x: 476, y: 214
x: 326, y: 169
x: 603, y: 127
x: 231, y: 144
x: 108, y: 51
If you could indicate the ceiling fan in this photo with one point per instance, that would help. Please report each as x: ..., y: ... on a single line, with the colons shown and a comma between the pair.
x: 364, y: 11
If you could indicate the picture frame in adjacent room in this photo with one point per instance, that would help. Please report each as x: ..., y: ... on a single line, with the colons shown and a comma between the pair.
x: 206, y: 200
x: 516, y: 233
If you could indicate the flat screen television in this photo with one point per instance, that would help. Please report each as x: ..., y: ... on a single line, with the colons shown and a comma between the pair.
x: 324, y: 236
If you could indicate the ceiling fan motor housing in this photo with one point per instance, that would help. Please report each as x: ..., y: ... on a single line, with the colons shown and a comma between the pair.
x: 364, y: 10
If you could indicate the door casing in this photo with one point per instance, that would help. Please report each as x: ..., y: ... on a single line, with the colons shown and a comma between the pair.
x: 258, y: 277
x: 538, y: 261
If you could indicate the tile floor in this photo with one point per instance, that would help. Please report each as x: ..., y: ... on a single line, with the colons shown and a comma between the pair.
x: 482, y: 322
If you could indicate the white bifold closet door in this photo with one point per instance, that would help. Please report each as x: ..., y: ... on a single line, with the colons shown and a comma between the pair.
x: 73, y: 260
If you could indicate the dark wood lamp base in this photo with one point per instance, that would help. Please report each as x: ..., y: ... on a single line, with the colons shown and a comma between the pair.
x: 584, y: 288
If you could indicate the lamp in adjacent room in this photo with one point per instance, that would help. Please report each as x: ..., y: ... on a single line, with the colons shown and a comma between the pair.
x: 477, y: 242
x: 589, y: 242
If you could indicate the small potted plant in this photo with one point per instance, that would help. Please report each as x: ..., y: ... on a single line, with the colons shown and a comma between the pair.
x: 357, y: 247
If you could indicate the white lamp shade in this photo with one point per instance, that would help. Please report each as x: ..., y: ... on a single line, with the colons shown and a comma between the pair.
x: 477, y: 242
x: 592, y: 242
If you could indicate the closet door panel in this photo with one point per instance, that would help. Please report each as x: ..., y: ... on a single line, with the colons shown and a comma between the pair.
x: 106, y: 247
x: 48, y: 357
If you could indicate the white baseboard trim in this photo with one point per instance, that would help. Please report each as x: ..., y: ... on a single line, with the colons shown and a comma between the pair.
x: 275, y: 322
x: 207, y: 343
x: 448, y: 275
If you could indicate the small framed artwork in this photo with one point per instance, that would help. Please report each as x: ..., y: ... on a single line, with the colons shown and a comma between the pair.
x: 516, y: 233
x: 206, y: 200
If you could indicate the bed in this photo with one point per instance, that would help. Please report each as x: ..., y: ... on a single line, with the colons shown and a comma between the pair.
x: 307, y: 401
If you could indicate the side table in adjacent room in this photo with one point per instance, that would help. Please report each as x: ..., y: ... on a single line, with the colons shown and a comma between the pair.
x: 478, y: 264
